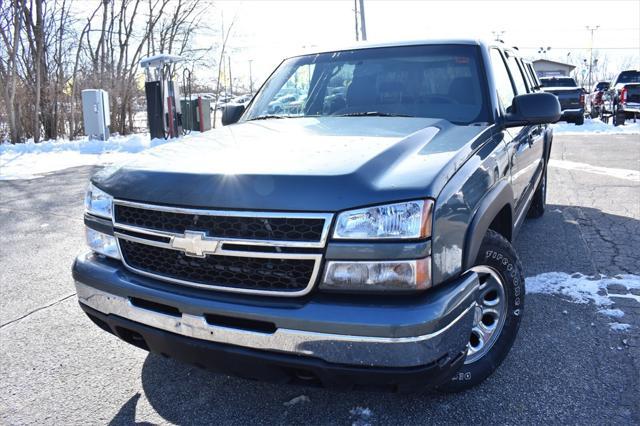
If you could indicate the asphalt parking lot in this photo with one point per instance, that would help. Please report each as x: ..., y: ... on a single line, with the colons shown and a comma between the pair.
x: 567, y: 366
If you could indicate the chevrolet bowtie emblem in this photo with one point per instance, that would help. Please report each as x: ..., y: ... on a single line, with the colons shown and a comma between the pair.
x: 195, y: 244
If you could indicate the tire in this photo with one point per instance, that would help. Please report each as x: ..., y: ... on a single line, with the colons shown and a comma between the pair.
x: 580, y: 120
x: 594, y: 113
x: 539, y: 200
x: 497, y: 258
x: 618, y: 117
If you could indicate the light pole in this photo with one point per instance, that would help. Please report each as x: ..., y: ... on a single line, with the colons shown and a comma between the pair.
x: 498, y: 35
x: 363, y: 26
x: 592, y: 30
x: 544, y: 50
x: 250, y: 77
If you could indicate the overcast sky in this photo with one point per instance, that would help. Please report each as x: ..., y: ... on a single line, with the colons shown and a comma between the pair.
x: 265, y: 30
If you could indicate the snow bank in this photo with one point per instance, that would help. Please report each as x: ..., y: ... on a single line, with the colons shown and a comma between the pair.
x: 596, y: 126
x: 578, y: 288
x: 31, y: 160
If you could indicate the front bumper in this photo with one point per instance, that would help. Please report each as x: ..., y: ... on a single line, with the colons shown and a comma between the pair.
x: 327, y: 333
x: 571, y: 114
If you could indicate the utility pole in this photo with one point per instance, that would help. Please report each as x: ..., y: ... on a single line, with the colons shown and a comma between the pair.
x: 230, y: 79
x: 250, y: 77
x: 498, y: 35
x: 592, y: 30
x: 363, y: 26
x: 355, y: 15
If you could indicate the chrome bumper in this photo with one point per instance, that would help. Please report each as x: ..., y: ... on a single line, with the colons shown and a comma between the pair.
x: 333, y: 348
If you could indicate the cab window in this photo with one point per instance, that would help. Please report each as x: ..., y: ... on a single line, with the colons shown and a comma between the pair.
x: 504, y: 88
x: 518, y: 78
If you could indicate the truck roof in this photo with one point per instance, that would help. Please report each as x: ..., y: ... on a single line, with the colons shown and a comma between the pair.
x: 310, y: 50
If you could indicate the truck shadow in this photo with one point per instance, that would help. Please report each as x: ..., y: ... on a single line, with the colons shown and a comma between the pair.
x: 523, y: 386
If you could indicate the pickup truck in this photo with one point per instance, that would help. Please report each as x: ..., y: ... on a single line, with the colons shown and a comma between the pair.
x: 571, y: 97
x: 622, y: 100
x: 365, y: 241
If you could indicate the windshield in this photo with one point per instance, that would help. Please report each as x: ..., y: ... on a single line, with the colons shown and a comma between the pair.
x: 629, y: 77
x: 439, y: 81
x: 558, y: 82
x: 602, y: 85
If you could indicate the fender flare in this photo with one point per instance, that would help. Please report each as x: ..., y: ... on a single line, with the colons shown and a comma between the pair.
x: 548, y: 144
x: 492, y: 203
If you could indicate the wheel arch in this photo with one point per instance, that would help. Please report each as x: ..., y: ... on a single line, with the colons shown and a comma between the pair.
x: 495, y: 211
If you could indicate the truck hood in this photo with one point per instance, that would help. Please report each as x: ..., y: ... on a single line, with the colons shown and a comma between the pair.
x: 298, y: 164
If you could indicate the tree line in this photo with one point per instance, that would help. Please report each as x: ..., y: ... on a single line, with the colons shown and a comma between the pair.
x: 50, y: 50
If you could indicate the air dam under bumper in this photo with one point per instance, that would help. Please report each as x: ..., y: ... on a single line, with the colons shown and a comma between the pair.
x: 334, y: 333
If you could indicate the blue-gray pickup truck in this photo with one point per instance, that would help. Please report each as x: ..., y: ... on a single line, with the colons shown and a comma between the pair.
x: 570, y: 96
x: 362, y: 238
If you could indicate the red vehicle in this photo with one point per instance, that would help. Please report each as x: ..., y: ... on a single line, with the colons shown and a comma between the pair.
x: 595, y: 98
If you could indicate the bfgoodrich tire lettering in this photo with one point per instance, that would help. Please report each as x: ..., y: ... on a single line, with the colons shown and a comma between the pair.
x: 496, y: 254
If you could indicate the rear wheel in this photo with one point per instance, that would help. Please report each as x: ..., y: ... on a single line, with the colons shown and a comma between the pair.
x: 618, y: 117
x: 580, y: 120
x: 498, y: 311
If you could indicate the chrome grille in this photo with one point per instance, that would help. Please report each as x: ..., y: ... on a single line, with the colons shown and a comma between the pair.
x: 243, y: 260
x: 223, y: 226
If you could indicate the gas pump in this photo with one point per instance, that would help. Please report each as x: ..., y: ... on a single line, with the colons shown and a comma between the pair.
x: 163, y: 96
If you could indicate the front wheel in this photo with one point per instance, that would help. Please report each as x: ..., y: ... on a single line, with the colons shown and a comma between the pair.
x: 498, y: 311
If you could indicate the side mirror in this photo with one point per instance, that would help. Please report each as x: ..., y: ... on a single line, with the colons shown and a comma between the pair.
x: 533, y: 108
x: 232, y: 113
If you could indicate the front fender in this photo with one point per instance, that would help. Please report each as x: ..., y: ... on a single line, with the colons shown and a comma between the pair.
x: 491, y: 205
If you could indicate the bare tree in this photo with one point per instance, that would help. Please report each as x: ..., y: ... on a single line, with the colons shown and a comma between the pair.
x: 47, y: 59
x: 10, y: 27
x: 220, y: 64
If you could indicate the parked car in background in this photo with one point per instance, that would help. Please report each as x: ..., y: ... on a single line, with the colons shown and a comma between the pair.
x: 596, y: 98
x: 571, y: 97
x: 622, y: 100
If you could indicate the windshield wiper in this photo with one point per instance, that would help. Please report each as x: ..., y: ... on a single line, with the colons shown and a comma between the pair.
x: 371, y: 114
x: 267, y: 117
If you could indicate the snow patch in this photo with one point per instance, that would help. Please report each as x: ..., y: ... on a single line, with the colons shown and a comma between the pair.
x: 618, y: 326
x: 32, y: 160
x: 580, y: 288
x: 633, y: 175
x: 297, y: 400
x: 362, y: 416
x: 596, y: 126
x: 614, y: 313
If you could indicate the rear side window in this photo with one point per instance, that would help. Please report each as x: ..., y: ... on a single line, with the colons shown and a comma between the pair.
x: 527, y: 76
x: 629, y: 77
x: 518, y: 78
x: 558, y: 82
x: 533, y: 74
x: 503, y: 84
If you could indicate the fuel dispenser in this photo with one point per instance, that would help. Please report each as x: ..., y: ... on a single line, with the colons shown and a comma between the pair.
x: 164, y: 113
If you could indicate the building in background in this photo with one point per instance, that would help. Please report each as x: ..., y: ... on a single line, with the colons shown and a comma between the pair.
x: 547, y: 68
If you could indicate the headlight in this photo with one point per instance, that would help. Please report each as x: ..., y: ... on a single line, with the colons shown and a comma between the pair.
x: 401, y: 275
x: 407, y: 220
x: 98, y: 202
x: 102, y: 243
